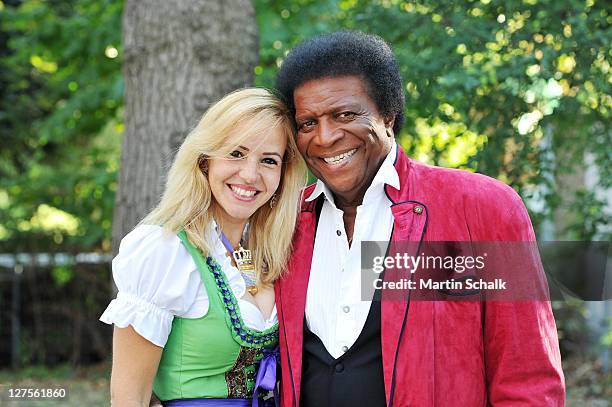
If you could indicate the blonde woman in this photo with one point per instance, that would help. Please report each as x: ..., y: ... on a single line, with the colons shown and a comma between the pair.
x: 195, y: 319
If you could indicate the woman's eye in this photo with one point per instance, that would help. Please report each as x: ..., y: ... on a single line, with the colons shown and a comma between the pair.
x: 236, y: 154
x: 270, y: 161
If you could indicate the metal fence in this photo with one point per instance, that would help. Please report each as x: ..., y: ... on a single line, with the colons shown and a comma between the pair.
x: 49, y: 305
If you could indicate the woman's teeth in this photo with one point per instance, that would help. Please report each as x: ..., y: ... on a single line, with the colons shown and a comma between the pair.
x: 243, y: 192
x: 339, y: 158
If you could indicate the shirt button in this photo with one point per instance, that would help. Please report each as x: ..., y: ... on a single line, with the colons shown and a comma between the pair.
x: 338, y: 233
x: 346, y: 309
x: 418, y: 209
x: 345, y: 349
x: 339, y: 368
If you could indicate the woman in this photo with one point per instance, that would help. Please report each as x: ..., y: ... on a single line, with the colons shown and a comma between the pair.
x: 195, y: 311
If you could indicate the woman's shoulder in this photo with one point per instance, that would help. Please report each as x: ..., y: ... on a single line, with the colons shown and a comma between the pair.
x: 153, y: 248
x: 148, y: 239
x: 150, y: 258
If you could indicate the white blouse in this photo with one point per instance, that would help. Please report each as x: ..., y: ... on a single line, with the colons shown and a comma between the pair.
x: 157, y: 280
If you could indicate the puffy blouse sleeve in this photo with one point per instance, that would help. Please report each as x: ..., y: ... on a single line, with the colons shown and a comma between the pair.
x: 156, y: 279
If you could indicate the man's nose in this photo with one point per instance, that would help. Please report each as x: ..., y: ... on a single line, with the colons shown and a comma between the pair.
x: 249, y: 171
x: 327, y: 133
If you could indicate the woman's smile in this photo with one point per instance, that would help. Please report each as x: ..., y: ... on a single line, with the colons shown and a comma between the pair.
x: 243, y: 192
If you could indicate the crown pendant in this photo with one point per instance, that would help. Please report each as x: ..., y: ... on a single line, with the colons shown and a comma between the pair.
x: 244, y: 259
x: 244, y: 262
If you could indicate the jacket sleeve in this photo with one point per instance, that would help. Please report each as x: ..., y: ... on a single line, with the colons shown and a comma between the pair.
x: 523, y: 365
x: 521, y: 347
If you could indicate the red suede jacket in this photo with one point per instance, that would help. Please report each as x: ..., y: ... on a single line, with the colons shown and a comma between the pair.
x: 441, y: 353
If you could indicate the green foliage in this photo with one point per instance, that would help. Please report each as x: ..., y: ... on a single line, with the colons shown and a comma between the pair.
x: 589, y: 215
x: 62, y: 275
x: 570, y: 316
x: 60, y: 122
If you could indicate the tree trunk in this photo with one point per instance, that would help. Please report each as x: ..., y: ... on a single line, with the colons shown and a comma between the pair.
x: 179, y: 57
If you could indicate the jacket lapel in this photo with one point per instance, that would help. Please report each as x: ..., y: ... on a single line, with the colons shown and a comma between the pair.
x: 292, y: 289
x: 410, y: 219
x: 408, y: 226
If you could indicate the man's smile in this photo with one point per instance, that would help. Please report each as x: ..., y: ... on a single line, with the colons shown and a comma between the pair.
x: 339, y: 158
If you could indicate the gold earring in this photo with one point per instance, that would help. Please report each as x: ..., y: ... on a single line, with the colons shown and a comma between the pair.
x: 272, y: 202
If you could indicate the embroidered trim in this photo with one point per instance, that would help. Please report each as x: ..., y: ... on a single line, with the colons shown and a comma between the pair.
x: 241, y: 378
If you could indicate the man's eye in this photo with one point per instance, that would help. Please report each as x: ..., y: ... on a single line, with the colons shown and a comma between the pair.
x: 236, y: 154
x: 269, y: 161
x: 347, y: 115
x: 305, y: 126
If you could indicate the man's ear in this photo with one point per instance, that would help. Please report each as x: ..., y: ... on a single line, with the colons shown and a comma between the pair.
x: 389, y: 122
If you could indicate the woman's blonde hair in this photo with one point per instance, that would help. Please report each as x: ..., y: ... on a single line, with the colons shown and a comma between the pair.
x: 187, y: 199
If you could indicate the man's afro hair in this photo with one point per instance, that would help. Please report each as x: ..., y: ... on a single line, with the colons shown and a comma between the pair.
x: 347, y: 53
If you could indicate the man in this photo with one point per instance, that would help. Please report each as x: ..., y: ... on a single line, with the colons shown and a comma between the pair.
x: 339, y: 350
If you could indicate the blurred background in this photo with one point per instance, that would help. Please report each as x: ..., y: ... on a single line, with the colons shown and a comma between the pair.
x: 92, y: 108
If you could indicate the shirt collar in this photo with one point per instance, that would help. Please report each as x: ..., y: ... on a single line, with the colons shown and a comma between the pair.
x: 386, y: 175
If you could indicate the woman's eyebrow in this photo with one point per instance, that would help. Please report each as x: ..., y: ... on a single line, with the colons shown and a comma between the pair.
x: 264, y: 153
x: 273, y: 153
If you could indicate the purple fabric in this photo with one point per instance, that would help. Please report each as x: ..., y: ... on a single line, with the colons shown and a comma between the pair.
x: 203, y: 402
x: 226, y: 243
x: 266, y: 375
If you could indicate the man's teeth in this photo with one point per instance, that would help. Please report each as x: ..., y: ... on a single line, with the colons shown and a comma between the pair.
x: 339, y: 158
x: 243, y: 192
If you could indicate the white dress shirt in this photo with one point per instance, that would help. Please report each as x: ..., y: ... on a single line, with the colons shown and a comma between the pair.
x: 335, y: 311
x: 158, y: 280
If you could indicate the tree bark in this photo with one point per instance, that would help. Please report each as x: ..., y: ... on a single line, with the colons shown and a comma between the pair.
x: 179, y: 57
